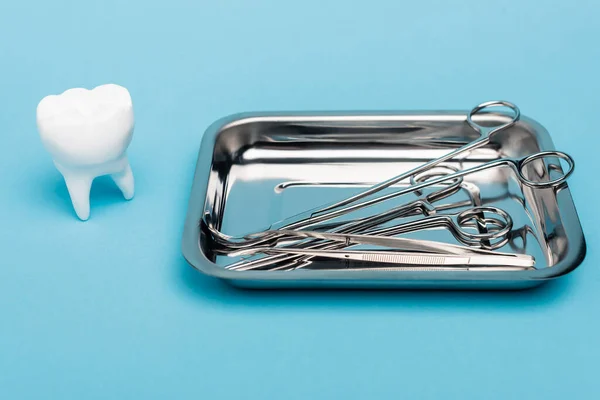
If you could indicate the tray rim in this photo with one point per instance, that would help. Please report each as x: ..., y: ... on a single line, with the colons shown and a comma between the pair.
x: 194, y: 256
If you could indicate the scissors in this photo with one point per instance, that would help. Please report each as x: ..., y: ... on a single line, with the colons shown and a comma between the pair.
x: 325, y: 213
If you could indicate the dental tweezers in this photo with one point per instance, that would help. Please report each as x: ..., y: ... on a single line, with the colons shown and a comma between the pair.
x: 467, y: 262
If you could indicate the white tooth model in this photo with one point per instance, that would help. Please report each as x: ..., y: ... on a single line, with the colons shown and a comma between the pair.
x: 87, y: 132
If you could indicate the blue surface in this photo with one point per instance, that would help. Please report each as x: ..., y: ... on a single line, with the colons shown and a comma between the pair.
x: 109, y: 309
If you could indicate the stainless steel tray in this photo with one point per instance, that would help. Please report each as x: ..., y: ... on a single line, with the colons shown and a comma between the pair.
x: 254, y: 169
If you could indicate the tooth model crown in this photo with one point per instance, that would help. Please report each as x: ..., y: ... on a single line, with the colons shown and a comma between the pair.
x: 87, y: 132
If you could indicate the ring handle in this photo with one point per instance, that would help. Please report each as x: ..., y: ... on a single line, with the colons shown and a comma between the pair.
x: 487, y: 130
x: 498, y: 218
x: 546, y: 154
x: 451, y: 186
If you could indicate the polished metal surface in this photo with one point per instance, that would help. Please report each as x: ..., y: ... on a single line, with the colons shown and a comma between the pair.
x: 255, y: 169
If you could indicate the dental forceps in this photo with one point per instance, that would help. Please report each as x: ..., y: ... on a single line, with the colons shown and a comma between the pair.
x: 457, y: 223
x: 517, y: 165
x: 341, y: 234
x: 342, y: 207
x: 423, y: 205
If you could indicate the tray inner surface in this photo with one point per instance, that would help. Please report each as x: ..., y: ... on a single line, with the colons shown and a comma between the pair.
x: 268, y: 170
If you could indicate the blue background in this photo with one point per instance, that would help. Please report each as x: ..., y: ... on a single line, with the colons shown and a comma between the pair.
x: 109, y: 309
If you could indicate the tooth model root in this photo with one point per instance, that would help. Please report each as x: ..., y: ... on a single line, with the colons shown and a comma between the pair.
x: 79, y: 183
x: 124, y: 181
x: 79, y: 189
